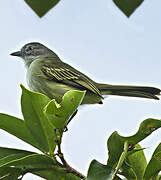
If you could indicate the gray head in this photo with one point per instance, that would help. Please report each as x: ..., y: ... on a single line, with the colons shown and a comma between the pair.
x: 32, y: 51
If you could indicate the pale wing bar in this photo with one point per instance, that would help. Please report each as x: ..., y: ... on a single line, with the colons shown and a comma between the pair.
x: 65, y: 74
x: 60, y: 73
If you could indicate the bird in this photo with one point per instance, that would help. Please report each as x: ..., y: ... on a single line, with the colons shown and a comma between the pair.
x: 49, y: 75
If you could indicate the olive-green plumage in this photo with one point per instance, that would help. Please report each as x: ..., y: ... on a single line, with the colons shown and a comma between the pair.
x: 47, y: 74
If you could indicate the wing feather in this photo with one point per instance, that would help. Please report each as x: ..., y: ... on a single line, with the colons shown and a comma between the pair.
x: 62, y: 74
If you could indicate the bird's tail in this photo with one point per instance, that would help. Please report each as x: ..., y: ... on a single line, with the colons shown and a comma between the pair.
x: 133, y: 91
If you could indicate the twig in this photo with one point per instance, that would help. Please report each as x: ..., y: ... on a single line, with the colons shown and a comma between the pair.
x: 68, y: 168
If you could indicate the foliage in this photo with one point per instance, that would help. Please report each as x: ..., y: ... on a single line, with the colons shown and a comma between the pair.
x: 43, y: 126
x: 41, y: 7
x: 128, y: 6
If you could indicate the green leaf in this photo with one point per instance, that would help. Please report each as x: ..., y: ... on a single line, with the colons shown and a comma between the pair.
x: 17, y: 127
x: 99, y: 171
x: 8, y: 151
x: 138, y: 162
x: 42, y: 130
x: 32, y: 161
x: 10, y: 173
x: 135, y: 164
x: 14, y: 162
x: 55, y: 114
x: 41, y: 7
x: 59, y: 114
x: 117, y: 178
x: 114, y: 153
x: 115, y: 140
x: 56, y: 174
x: 7, y: 170
x: 128, y: 172
x: 8, y: 155
x: 41, y: 165
x: 128, y: 6
x: 154, y: 166
x: 121, y: 159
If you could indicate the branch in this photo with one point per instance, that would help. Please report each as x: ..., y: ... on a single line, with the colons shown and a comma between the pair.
x: 65, y: 165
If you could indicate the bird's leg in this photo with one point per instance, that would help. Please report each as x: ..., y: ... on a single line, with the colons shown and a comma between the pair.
x: 71, y: 117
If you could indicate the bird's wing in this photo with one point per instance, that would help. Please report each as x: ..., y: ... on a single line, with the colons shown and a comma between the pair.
x: 67, y: 74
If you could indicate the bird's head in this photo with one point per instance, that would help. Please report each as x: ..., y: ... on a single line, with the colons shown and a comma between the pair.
x: 32, y: 51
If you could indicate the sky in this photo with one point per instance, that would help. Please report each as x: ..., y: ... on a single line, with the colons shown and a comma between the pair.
x: 99, y: 40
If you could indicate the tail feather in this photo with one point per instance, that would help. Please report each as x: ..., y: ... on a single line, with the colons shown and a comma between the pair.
x: 133, y: 91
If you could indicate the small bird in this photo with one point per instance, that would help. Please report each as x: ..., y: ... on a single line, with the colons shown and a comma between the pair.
x: 49, y: 75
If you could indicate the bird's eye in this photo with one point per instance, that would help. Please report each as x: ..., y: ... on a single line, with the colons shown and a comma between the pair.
x: 29, y: 48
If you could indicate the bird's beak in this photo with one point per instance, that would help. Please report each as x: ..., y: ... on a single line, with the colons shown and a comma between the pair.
x: 18, y: 53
